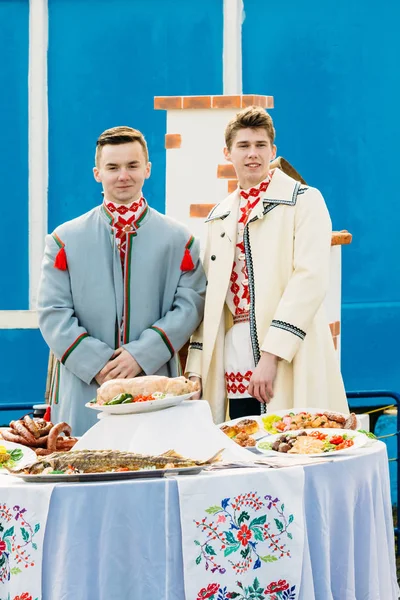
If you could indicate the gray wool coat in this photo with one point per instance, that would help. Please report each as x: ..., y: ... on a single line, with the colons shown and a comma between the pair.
x: 84, y: 309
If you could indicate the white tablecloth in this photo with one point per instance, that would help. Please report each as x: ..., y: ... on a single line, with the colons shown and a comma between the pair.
x: 187, y: 428
x: 117, y: 540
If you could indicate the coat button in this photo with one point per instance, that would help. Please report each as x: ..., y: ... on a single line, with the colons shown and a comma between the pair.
x: 223, y: 234
x: 213, y: 257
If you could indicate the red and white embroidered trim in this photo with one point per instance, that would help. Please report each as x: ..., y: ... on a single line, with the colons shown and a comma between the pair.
x: 241, y: 317
x: 232, y: 379
x: 125, y: 219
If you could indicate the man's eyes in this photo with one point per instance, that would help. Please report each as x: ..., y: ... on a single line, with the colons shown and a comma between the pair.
x: 259, y: 145
x: 116, y: 168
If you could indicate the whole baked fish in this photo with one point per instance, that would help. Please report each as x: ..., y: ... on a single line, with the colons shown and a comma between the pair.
x: 101, y: 461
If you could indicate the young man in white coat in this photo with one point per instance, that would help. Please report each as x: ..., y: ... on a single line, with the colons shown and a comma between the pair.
x: 265, y: 336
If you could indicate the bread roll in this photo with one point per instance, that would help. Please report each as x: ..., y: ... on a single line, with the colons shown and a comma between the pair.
x: 145, y: 386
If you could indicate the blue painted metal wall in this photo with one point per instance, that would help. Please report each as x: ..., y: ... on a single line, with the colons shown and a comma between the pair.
x: 107, y: 61
x: 333, y: 69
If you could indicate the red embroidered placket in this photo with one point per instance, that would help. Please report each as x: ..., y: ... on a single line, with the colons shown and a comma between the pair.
x: 237, y: 382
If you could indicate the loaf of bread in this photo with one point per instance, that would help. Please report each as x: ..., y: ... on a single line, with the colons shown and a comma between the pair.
x: 145, y: 386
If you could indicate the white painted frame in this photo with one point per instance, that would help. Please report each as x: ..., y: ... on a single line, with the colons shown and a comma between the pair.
x: 37, y: 162
x: 232, y: 47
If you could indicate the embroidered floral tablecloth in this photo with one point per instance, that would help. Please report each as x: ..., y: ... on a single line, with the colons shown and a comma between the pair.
x: 243, y: 534
x: 23, y: 515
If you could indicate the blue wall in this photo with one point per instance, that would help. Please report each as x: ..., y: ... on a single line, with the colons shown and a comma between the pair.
x: 332, y: 67
x: 14, y: 286
x: 107, y: 61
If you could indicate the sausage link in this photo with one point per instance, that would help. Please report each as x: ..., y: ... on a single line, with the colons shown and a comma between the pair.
x: 44, y: 427
x: 55, y: 432
x: 10, y: 436
x: 31, y: 426
x: 20, y: 428
x: 43, y: 451
x: 66, y: 443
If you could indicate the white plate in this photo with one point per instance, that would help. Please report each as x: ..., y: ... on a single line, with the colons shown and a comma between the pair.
x: 359, y: 440
x: 28, y: 455
x: 140, y: 407
x: 87, y: 477
x: 312, y: 411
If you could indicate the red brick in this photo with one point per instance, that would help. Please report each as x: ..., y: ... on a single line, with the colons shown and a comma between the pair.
x: 173, y: 140
x: 232, y: 185
x: 196, y: 101
x: 200, y: 210
x: 341, y: 238
x: 226, y: 101
x: 167, y: 102
x: 226, y: 172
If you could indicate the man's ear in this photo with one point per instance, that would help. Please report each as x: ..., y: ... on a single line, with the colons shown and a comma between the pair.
x: 96, y: 174
x: 274, y: 150
x: 227, y: 154
x: 148, y: 170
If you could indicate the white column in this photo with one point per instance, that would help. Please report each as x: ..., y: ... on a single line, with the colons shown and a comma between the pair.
x: 232, y: 50
x: 38, y: 140
x: 37, y: 162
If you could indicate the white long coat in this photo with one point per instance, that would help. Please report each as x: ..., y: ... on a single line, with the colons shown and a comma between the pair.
x: 287, y: 247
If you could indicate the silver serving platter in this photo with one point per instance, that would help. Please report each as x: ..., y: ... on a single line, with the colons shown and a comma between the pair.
x: 110, y: 476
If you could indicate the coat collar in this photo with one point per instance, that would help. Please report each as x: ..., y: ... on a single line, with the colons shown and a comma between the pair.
x: 227, y: 211
x: 282, y: 190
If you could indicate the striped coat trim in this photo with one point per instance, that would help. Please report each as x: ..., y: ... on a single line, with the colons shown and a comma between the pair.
x: 190, y: 242
x: 164, y: 338
x: 127, y: 288
x: 107, y: 214
x: 73, y: 346
x: 289, y: 327
x: 55, y: 384
x: 57, y: 240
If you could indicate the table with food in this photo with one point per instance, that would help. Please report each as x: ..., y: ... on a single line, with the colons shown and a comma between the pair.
x: 157, y: 501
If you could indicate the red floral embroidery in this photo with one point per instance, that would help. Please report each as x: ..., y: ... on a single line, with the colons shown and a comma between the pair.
x: 244, y: 535
x: 277, y: 586
x: 24, y: 596
x: 212, y: 589
x: 3, y: 546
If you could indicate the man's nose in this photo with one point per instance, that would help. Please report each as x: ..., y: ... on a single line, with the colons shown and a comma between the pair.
x: 123, y: 174
x: 252, y: 151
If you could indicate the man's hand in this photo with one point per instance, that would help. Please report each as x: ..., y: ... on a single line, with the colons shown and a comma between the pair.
x: 198, y: 394
x: 121, y: 366
x: 261, y: 384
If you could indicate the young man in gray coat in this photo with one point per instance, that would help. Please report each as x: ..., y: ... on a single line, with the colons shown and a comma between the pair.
x: 122, y: 286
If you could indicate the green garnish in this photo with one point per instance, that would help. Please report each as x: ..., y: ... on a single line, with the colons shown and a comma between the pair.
x: 16, y: 454
x: 367, y: 433
x: 265, y: 446
x: 57, y: 472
